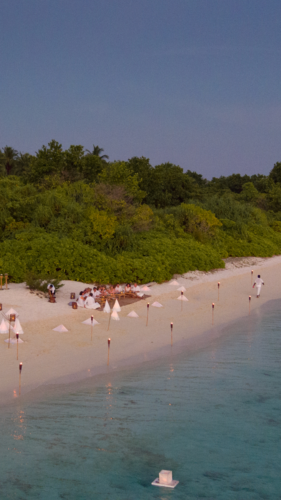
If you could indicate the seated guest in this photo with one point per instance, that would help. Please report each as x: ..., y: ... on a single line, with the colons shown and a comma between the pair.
x: 135, y: 288
x: 128, y: 288
x: 103, y: 291
x: 81, y: 300
x: 90, y: 302
x: 118, y: 288
x: 96, y: 292
x: 111, y: 290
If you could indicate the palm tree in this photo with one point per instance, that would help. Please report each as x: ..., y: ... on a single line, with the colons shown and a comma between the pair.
x: 9, y: 158
x: 97, y: 151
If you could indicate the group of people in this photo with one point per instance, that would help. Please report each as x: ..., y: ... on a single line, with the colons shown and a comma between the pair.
x: 87, y: 298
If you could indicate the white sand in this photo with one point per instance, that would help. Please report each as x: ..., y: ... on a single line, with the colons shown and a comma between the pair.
x: 50, y: 356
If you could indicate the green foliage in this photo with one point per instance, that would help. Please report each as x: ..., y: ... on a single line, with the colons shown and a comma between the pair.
x: 36, y: 282
x: 69, y: 214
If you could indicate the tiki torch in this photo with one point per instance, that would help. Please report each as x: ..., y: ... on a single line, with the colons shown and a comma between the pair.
x: 218, y: 291
x: 250, y: 304
x: 20, y: 369
x: 108, y: 349
x: 147, y: 310
x: 213, y: 309
x: 172, y: 326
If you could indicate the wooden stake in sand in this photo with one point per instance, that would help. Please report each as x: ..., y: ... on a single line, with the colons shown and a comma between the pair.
x: 20, y: 369
x: 17, y: 335
x: 213, y: 310
x: 108, y: 349
x: 172, y: 326
x: 252, y: 272
x: 147, y: 309
x: 250, y: 304
x: 92, y: 320
x: 218, y: 291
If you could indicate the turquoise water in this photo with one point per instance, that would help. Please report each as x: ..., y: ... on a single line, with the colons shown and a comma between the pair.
x: 212, y: 416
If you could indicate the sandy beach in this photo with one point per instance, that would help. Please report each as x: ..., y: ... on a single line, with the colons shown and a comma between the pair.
x: 50, y: 357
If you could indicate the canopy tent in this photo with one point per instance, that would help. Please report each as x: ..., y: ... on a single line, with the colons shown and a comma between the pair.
x: 106, y: 308
x: 115, y: 316
x: 89, y: 322
x: 116, y: 306
x: 133, y: 314
x: 60, y: 328
x: 4, y: 327
x: 17, y: 327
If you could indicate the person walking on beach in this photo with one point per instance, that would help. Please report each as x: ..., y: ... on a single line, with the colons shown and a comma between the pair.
x: 258, y: 283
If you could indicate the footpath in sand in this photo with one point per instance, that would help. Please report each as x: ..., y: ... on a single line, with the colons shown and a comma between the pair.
x: 50, y: 357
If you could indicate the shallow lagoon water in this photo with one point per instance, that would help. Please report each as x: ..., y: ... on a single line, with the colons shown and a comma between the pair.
x: 212, y: 416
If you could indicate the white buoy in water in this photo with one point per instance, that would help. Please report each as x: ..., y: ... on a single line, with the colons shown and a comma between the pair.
x: 165, y: 479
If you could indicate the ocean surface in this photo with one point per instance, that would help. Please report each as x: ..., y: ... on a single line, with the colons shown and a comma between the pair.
x: 212, y: 416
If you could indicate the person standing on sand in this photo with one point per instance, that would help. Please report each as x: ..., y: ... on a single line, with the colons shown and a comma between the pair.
x: 258, y: 283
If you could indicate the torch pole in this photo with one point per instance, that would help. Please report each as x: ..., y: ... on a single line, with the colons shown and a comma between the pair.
x: 252, y: 272
x: 108, y: 349
x: 20, y: 369
x: 92, y: 318
x: 147, y: 309
x: 250, y: 304
x: 218, y: 291
x: 213, y: 309
x: 181, y: 300
x: 17, y: 335
x: 172, y: 325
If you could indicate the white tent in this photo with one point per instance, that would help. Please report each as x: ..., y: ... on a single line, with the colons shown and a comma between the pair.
x: 11, y: 311
x: 115, y: 316
x: 183, y: 298
x: 4, y: 327
x: 106, y: 308
x: 145, y: 289
x: 157, y: 304
x: 14, y: 341
x: 181, y: 289
x: 116, y: 306
x: 60, y: 328
x: 133, y: 314
x: 174, y: 283
x: 17, y: 327
x: 88, y: 322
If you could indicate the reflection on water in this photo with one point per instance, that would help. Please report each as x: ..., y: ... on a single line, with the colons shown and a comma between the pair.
x: 212, y: 417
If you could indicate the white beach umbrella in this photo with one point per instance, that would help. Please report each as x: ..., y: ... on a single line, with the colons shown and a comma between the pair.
x: 89, y: 322
x: 4, y: 327
x: 181, y: 289
x: 106, y: 308
x: 157, y: 304
x: 116, y: 306
x: 115, y: 316
x: 145, y: 289
x: 133, y: 314
x: 174, y: 283
x: 11, y: 311
x: 60, y: 328
x: 17, y: 327
x: 14, y: 340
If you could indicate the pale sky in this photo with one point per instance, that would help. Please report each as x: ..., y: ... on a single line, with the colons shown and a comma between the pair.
x: 192, y: 82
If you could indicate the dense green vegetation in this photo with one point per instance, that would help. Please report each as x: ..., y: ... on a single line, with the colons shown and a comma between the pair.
x: 74, y: 215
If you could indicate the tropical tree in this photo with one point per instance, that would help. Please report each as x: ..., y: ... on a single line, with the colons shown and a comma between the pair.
x: 97, y: 152
x: 9, y: 158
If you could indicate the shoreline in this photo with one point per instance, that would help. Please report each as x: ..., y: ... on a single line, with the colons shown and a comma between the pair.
x: 51, y: 358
